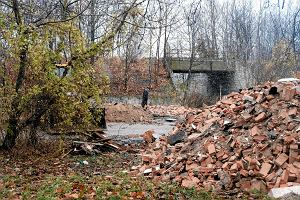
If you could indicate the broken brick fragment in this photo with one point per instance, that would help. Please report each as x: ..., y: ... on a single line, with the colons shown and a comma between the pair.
x: 190, y: 183
x: 271, y: 176
x: 261, y: 117
x: 282, y: 158
x: 265, y: 168
x: 148, y: 136
x: 211, y: 148
x: 288, y: 94
x: 284, y: 177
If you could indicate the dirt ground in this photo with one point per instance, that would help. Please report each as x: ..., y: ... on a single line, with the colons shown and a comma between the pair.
x: 133, y: 113
x: 52, y: 171
x: 48, y: 172
x: 127, y: 113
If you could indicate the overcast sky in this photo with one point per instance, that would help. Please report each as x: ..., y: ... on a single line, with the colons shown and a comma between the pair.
x: 256, y: 3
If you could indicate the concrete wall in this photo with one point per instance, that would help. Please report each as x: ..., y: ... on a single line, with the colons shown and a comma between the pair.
x: 210, y: 83
x: 182, y: 64
x: 198, y: 82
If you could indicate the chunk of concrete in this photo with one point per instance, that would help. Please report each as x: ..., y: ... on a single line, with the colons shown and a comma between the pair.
x: 284, y: 80
x: 177, y: 137
x: 281, y: 192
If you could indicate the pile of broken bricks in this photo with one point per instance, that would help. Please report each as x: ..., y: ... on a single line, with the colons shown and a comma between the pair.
x: 170, y: 111
x: 248, y: 140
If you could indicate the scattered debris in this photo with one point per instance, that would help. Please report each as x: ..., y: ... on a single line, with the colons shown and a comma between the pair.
x: 248, y: 140
x: 284, y: 192
x: 177, y: 137
x: 96, y: 142
x: 85, y: 162
x: 171, y: 119
x: 170, y: 111
x: 148, y: 136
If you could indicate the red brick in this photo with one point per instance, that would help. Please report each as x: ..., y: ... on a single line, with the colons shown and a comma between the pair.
x: 211, y: 148
x: 265, y: 168
x: 247, y: 158
x: 225, y: 156
x: 148, y: 136
x: 255, y: 131
x: 297, y: 164
x: 247, y: 152
x: 240, y: 164
x: 192, y: 166
x: 282, y: 158
x: 238, y: 108
x: 292, y: 169
x: 245, y: 185
x: 206, y: 170
x: 219, y: 164
x: 244, y: 173
x: 209, y: 160
x: 189, y: 183
x: 261, y: 117
x: 260, y: 138
x: 147, y: 157
x: 291, y: 126
x: 220, y: 153
x: 258, y: 185
x: 289, y: 139
x: 283, y: 185
x: 283, y: 114
x: 294, y: 146
x: 277, y: 184
x: 234, y: 167
x: 292, y: 111
x: 232, y: 158
x: 292, y: 177
x: 284, y: 177
x: 270, y: 176
x: 227, y: 101
x: 293, y: 155
x: 288, y: 94
x: 247, y: 117
x: 270, y: 185
x: 225, y: 166
x: 233, y: 144
x: 240, y: 123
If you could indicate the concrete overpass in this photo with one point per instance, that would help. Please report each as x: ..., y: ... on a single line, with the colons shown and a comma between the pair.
x: 210, y: 77
x: 182, y: 65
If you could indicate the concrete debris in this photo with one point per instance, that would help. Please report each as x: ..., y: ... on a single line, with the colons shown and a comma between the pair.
x: 176, y: 137
x: 283, y: 192
x: 248, y: 140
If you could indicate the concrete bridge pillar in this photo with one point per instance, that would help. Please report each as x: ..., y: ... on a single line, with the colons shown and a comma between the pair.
x: 219, y: 83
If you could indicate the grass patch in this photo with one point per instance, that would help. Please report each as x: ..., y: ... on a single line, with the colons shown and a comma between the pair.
x: 120, y: 186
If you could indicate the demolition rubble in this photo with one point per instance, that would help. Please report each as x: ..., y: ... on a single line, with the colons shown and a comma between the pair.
x: 248, y: 140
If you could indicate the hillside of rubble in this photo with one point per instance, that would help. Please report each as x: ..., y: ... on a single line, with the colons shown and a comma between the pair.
x: 247, y: 141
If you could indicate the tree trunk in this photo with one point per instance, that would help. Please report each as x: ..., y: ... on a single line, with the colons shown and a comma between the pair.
x: 13, y: 131
x: 93, y: 28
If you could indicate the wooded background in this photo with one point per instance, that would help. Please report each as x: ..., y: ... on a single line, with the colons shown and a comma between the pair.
x: 39, y: 38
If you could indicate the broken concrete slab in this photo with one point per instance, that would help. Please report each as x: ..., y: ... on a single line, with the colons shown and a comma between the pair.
x: 177, y: 137
x: 281, y: 192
